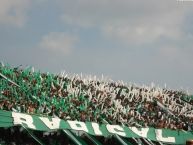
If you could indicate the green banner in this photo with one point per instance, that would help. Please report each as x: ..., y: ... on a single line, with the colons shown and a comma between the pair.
x: 41, y: 123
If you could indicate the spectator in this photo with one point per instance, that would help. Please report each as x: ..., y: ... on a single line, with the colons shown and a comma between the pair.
x: 91, y: 99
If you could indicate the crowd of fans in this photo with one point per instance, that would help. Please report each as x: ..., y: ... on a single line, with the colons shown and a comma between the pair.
x: 91, y: 99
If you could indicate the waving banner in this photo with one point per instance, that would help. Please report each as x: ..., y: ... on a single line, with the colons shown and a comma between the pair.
x: 41, y: 123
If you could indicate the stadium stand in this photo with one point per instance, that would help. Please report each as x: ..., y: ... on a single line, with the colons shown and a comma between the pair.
x: 88, y: 99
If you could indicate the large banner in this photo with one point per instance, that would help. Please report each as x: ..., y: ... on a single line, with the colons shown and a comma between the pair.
x: 41, y: 123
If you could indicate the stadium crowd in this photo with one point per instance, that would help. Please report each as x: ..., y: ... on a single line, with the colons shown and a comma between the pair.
x: 91, y: 99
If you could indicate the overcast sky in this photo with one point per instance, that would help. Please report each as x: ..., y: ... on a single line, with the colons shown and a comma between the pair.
x: 131, y: 40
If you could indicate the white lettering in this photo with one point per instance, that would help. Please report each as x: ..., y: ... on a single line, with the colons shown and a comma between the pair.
x: 142, y: 132
x: 159, y: 137
x: 53, y: 124
x: 76, y: 125
x: 96, y: 129
x: 19, y: 118
x: 116, y: 129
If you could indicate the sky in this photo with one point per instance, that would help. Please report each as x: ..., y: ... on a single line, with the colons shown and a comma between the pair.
x: 131, y: 40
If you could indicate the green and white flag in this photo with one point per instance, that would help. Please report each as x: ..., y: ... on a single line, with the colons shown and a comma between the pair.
x: 41, y: 123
